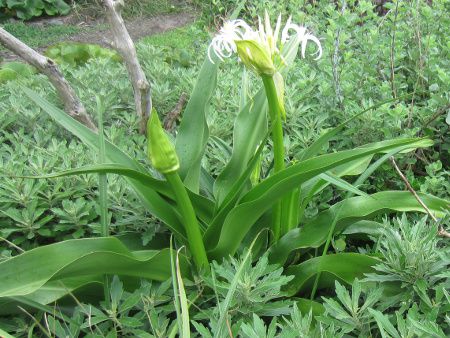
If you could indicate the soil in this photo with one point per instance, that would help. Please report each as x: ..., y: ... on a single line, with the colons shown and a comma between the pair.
x: 97, y: 31
x: 137, y: 28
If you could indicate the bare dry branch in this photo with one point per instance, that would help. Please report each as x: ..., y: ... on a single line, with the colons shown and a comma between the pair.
x: 173, y: 116
x: 72, y: 104
x: 441, y: 230
x: 125, y: 47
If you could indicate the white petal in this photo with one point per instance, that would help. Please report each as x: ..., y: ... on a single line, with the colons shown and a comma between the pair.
x: 277, y: 28
x: 209, y: 54
x: 260, y: 25
x: 285, y: 33
x: 317, y: 42
x: 268, y: 28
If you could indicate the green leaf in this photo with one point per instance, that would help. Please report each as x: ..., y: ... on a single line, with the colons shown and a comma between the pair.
x: 314, y: 233
x: 51, y: 292
x: 342, y: 184
x: 384, y: 324
x: 193, y: 132
x: 233, y: 195
x: 26, y: 273
x: 317, y: 184
x: 343, y: 266
x: 224, y: 240
x: 306, y: 305
x: 116, y: 292
x: 5, y: 334
x: 250, y: 127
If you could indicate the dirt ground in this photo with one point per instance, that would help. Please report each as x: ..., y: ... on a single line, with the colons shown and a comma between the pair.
x: 138, y: 28
x: 97, y: 29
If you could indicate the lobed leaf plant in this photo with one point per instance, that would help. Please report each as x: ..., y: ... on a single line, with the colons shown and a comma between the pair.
x: 215, y: 217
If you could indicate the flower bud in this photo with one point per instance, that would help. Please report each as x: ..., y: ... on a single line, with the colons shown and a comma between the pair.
x: 255, y: 57
x: 159, y: 148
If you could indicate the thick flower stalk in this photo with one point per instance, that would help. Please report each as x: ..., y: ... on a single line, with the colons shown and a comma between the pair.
x: 164, y: 158
x: 261, y: 51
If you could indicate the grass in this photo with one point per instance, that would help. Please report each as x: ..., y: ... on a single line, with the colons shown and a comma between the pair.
x: 179, y: 38
x: 134, y: 8
x: 150, y: 7
x: 35, y: 36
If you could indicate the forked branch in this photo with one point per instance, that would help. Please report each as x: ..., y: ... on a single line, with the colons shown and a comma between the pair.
x: 72, y: 104
x: 125, y: 47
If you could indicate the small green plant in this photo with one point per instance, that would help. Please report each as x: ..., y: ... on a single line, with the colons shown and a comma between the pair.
x: 13, y: 70
x: 258, y: 285
x: 28, y: 9
x: 75, y: 53
x: 348, y: 313
x: 411, y: 254
x: 75, y: 215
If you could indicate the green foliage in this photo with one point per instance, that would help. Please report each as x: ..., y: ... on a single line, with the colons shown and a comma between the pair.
x: 328, y: 163
x: 257, y: 290
x: 75, y: 53
x: 412, y: 255
x: 348, y: 313
x: 28, y: 9
x: 13, y: 70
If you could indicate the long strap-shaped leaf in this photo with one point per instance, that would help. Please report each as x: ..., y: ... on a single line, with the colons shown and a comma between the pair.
x: 314, y: 233
x: 314, y: 186
x: 51, y: 292
x: 202, y: 205
x: 24, y: 274
x: 233, y: 195
x: 343, y: 266
x: 250, y: 127
x: 150, y: 198
x: 315, y: 148
x: 193, y: 132
x: 259, y: 199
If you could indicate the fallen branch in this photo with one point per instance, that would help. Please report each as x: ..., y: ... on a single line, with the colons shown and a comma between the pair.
x: 125, y: 47
x: 72, y: 104
x: 441, y: 230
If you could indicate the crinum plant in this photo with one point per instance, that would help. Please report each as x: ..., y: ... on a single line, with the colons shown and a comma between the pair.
x: 216, y: 216
x: 261, y: 51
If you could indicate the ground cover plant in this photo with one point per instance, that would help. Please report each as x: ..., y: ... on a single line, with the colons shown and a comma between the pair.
x: 212, y: 230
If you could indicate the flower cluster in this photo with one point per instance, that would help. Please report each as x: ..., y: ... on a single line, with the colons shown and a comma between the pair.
x: 258, y: 49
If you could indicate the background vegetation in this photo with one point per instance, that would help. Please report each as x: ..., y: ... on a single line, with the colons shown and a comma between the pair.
x: 369, y: 57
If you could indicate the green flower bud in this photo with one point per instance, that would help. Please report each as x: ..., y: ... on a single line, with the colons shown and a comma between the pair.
x: 255, y: 57
x: 159, y: 149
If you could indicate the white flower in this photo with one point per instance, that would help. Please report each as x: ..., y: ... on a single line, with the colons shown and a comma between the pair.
x: 267, y: 39
x: 223, y: 44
